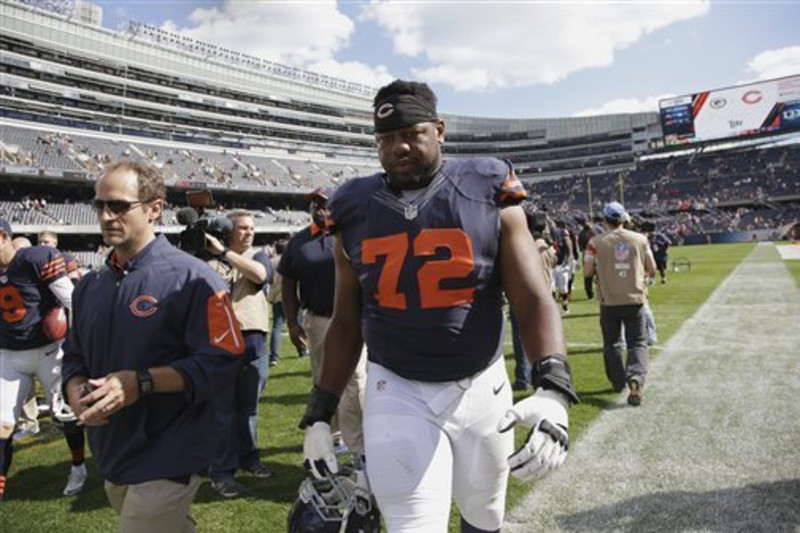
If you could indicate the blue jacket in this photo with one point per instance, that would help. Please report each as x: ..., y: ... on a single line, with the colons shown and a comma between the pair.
x: 163, y: 307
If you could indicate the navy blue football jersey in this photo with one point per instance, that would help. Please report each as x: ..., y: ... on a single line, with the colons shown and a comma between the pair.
x: 659, y: 243
x: 432, y: 298
x: 25, y: 296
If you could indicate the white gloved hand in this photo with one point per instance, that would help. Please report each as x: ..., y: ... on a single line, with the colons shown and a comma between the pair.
x: 545, y: 449
x: 318, y: 451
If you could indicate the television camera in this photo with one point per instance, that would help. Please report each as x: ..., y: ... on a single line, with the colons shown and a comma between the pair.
x: 199, y: 222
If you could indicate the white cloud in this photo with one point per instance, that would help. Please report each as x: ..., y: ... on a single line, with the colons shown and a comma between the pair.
x: 488, y: 45
x: 624, y: 105
x: 354, y: 71
x: 302, y: 34
x: 776, y: 63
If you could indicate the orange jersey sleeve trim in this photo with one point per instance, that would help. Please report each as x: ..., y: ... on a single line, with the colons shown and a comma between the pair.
x: 223, y: 328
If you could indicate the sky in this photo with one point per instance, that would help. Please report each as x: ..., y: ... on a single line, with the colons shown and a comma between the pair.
x: 504, y: 58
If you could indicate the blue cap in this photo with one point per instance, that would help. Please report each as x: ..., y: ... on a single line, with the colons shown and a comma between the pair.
x: 5, y: 226
x: 614, y: 211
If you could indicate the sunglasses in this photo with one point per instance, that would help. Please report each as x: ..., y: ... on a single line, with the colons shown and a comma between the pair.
x: 116, y: 207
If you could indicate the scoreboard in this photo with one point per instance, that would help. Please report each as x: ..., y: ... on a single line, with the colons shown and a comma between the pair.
x: 765, y: 107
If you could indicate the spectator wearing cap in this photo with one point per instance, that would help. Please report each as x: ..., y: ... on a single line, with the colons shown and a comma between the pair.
x: 622, y: 260
x: 308, y: 278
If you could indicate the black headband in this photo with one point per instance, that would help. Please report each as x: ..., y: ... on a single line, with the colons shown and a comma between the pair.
x: 402, y: 110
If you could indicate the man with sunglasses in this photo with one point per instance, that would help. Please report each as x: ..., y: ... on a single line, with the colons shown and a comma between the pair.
x: 33, y: 281
x: 153, y: 338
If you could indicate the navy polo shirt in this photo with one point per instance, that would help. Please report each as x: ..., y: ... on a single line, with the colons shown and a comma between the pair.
x: 308, y: 259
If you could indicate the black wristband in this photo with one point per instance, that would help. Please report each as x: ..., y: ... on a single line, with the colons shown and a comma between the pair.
x: 145, y: 380
x: 553, y: 373
x: 224, y: 251
x: 321, y: 407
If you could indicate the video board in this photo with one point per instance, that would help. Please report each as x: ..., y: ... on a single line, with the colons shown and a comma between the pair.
x: 765, y: 107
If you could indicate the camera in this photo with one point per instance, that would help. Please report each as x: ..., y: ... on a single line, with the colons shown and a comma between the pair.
x: 198, y: 223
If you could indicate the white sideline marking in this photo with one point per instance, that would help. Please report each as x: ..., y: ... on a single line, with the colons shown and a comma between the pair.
x: 789, y: 252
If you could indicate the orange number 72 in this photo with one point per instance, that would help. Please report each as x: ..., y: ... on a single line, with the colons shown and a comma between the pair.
x: 395, y: 248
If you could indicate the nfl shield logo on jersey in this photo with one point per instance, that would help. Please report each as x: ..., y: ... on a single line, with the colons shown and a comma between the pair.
x: 621, y: 251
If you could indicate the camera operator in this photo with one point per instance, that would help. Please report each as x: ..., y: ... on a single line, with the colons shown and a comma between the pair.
x: 246, y: 270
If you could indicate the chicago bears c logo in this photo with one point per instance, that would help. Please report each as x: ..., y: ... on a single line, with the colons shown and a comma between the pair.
x: 385, y: 110
x: 144, y: 306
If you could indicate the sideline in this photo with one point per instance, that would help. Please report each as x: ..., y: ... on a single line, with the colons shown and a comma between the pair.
x: 789, y: 251
x: 714, y: 446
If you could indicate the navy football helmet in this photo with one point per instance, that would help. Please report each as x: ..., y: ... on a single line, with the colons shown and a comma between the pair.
x: 341, y: 503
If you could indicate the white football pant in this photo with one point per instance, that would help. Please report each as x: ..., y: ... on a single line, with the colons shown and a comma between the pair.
x: 430, y: 443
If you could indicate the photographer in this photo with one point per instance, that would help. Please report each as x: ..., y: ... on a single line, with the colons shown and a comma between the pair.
x: 246, y: 270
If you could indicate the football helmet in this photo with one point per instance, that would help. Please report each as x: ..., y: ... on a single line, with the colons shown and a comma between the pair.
x: 341, y: 503
x: 59, y: 408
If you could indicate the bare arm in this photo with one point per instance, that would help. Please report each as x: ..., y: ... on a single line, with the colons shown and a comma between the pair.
x: 252, y: 270
x: 343, y: 341
x: 522, y: 272
x: 649, y: 263
x: 289, y: 300
x: 291, y: 306
x: 588, y: 268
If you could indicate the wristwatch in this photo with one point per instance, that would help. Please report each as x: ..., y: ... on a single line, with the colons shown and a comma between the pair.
x: 145, y: 380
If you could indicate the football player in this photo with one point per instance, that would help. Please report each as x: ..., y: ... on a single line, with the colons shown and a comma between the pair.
x: 423, y: 254
x: 33, y: 281
x: 76, y: 438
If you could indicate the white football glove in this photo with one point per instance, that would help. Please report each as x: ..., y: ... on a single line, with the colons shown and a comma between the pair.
x: 318, y: 451
x: 545, y: 449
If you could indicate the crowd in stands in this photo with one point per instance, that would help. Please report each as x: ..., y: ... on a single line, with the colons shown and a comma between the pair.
x: 57, y: 151
x: 702, y: 193
x: 698, y: 194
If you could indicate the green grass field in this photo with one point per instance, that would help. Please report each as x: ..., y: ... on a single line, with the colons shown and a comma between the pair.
x: 41, y: 463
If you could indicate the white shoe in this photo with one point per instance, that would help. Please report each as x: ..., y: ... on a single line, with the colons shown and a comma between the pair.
x: 26, y: 432
x: 77, y: 477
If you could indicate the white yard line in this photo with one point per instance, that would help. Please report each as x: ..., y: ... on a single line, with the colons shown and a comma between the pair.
x: 715, y: 445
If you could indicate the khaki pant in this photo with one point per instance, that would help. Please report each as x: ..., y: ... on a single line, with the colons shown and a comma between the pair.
x: 159, y: 506
x: 351, y: 405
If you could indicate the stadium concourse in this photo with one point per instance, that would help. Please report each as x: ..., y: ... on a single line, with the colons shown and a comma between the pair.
x: 714, y: 447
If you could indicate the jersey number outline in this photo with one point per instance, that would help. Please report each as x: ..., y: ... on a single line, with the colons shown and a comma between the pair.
x: 395, y: 248
x: 12, y: 306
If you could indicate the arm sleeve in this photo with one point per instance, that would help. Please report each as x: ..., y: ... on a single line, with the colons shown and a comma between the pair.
x: 263, y: 258
x: 62, y: 289
x: 286, y: 264
x: 73, y: 363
